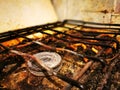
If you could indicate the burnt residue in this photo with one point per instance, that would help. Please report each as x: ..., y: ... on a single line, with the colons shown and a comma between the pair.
x: 9, y: 65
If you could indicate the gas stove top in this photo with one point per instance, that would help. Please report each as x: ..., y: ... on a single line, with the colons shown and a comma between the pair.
x: 64, y: 55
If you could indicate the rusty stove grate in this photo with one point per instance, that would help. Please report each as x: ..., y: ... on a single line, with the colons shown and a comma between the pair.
x: 62, y: 55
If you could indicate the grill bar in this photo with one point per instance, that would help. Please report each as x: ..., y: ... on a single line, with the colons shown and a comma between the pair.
x: 76, y: 22
x: 90, y: 43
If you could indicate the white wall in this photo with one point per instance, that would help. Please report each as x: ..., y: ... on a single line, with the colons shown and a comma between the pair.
x: 16, y: 14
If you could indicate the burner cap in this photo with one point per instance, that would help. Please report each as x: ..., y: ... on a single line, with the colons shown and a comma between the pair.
x: 50, y: 59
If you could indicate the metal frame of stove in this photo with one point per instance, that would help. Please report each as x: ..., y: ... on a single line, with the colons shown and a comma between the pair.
x: 114, y: 29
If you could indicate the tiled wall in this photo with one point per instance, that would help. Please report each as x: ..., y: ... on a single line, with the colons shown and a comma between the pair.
x: 105, y: 11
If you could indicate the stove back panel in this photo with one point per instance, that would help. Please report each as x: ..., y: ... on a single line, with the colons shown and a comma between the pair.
x: 104, y: 11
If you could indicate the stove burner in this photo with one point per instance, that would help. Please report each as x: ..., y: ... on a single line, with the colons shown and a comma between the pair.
x: 50, y: 59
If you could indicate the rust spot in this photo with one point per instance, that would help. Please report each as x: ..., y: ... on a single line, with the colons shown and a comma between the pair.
x: 104, y: 11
